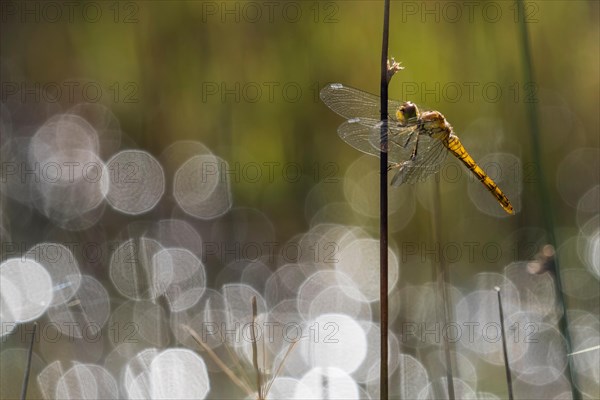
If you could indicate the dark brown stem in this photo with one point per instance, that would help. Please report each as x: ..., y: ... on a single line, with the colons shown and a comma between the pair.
x: 383, y: 208
x: 28, y: 366
x: 504, y: 347
x: 255, y: 350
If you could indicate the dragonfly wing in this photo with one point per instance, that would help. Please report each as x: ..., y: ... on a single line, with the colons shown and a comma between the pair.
x: 430, y: 156
x: 353, y: 103
x: 360, y: 133
x: 364, y: 134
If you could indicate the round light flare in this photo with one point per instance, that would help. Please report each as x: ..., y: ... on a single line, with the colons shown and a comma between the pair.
x: 537, y: 292
x: 48, y: 378
x: 134, y: 274
x: 319, y: 246
x: 587, y: 246
x: 64, y: 131
x: 86, y: 313
x: 283, y: 388
x: 196, y: 180
x: 104, y: 121
x: 586, y: 365
x: 285, y: 281
x: 485, y: 340
x: 72, y: 182
x: 360, y: 261
x: 592, y: 254
x: 178, y: 374
x: 87, y: 381
x: 340, y: 385
x: 137, y: 367
x: 136, y: 183
x: 414, y: 374
x: 10, y: 305
x: 188, y: 281
x: 545, y: 359
x: 462, y: 390
x: 25, y: 290
x: 317, y: 283
x: 201, y: 187
x: 330, y: 338
x: 346, y: 300
x: 62, y: 266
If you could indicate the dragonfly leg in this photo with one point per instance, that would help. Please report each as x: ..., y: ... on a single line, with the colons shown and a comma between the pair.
x: 414, y: 152
x: 408, y: 139
x: 404, y: 167
x: 393, y: 165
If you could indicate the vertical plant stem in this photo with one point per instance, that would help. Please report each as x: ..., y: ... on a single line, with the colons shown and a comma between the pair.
x: 264, y: 366
x: 443, y: 281
x: 504, y: 347
x: 28, y: 366
x: 383, y: 207
x: 542, y: 190
x: 255, y: 351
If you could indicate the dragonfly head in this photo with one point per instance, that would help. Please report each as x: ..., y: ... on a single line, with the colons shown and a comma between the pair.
x: 408, y: 112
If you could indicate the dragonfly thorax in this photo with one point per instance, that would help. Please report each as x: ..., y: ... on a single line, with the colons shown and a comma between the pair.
x: 407, y: 112
x: 435, y: 125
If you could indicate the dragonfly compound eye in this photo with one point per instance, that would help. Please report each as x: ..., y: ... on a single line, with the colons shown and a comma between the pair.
x: 407, y: 112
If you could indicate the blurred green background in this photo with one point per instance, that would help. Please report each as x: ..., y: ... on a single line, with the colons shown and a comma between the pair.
x: 165, y: 68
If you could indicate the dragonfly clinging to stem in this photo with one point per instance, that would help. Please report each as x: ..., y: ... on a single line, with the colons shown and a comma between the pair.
x: 418, y: 141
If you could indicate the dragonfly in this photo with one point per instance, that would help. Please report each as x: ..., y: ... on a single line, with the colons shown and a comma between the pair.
x: 417, y: 141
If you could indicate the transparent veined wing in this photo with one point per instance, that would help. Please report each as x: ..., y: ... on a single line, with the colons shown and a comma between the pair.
x: 353, y: 103
x: 431, y: 153
x: 364, y: 134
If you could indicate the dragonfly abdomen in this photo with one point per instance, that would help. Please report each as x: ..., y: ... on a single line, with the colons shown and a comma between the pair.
x: 455, y: 147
